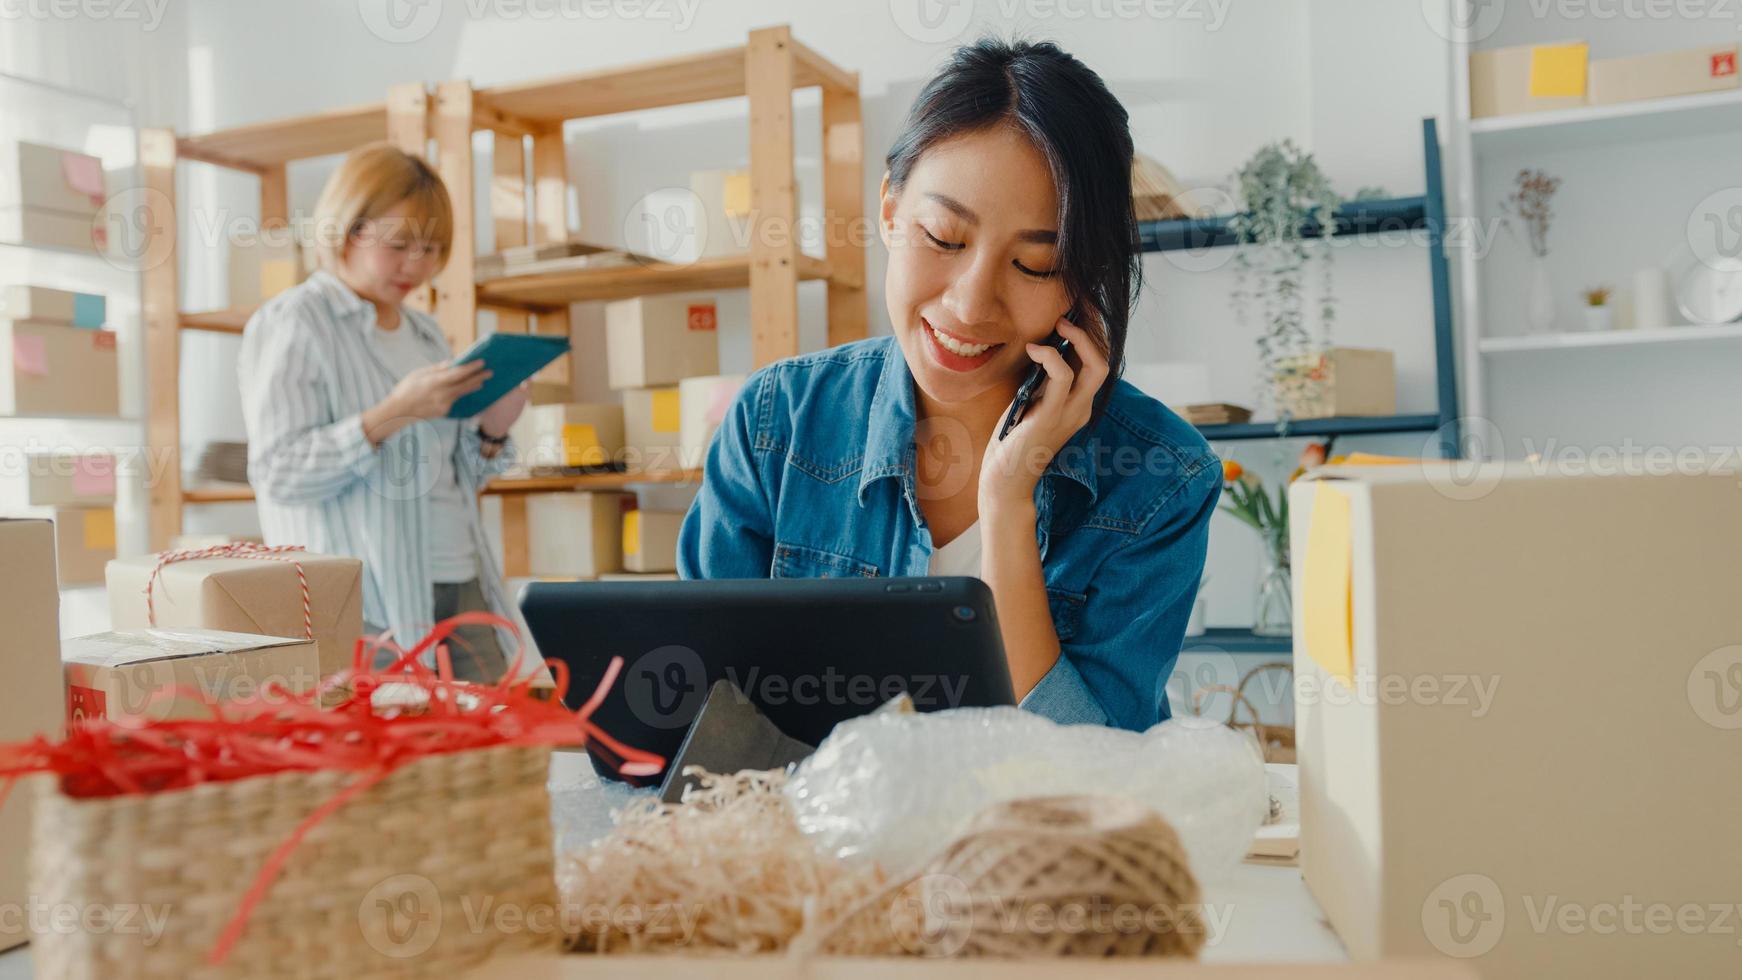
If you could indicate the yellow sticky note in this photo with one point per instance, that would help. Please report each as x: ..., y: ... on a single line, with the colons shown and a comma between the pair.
x: 99, y: 530
x: 1558, y: 70
x: 667, y: 410
x: 1373, y: 459
x: 581, y: 445
x: 631, y: 533
x: 737, y: 194
x: 1326, y: 588
x: 276, y: 275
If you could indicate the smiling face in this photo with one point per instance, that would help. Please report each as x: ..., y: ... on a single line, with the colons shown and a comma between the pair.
x: 391, y: 255
x: 972, y: 263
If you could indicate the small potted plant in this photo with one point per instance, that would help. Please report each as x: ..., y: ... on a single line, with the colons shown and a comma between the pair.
x: 1599, y: 315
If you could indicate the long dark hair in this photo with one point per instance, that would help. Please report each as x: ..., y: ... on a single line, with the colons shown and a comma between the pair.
x: 1066, y: 111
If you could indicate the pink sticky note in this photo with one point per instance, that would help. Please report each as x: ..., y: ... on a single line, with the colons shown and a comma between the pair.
x: 28, y: 355
x: 83, y: 174
x: 93, y: 476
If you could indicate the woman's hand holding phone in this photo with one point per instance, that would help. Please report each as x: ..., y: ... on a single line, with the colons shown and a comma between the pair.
x: 1061, y: 406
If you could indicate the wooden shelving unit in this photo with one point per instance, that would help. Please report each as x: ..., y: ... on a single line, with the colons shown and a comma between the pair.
x: 263, y: 150
x: 526, y: 120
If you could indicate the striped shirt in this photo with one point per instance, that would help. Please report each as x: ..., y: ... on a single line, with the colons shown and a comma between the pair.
x: 309, y: 368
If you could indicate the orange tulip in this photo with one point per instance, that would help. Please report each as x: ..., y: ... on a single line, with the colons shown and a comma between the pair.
x: 1231, y: 471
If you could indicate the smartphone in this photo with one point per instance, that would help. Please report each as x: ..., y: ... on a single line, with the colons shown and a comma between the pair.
x: 1031, y: 384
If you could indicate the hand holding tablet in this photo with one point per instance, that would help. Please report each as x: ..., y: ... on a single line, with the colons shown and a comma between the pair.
x: 511, y: 359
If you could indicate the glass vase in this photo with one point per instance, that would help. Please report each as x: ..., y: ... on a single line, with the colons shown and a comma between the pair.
x: 1273, y: 606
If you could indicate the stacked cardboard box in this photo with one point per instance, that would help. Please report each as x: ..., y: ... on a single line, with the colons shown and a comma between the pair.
x: 569, y: 436
x: 650, y: 540
x: 575, y: 535
x: 52, y: 197
x: 652, y: 344
x: 48, y: 339
x: 179, y: 673
x: 80, y: 490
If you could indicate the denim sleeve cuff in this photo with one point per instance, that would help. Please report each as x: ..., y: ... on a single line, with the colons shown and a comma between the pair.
x: 1062, y: 696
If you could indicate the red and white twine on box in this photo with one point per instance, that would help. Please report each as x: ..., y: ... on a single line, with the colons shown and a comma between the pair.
x: 239, y: 549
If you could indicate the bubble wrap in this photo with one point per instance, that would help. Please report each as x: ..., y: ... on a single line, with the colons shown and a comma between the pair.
x: 896, y: 788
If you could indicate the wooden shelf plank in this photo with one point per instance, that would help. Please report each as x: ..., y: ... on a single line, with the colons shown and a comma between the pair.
x: 685, y: 79
x: 558, y: 288
x: 503, y: 486
x: 217, y: 321
x: 259, y: 146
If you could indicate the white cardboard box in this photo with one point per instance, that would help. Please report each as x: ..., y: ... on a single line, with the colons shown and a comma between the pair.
x: 652, y: 341
x: 703, y: 403
x: 569, y: 435
x: 1541, y: 712
x: 653, y: 429
x: 575, y: 535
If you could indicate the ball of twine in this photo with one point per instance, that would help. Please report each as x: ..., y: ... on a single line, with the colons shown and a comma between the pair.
x: 1047, y: 876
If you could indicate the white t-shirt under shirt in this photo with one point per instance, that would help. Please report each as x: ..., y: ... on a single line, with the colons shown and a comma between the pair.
x: 961, y: 556
x: 453, y: 556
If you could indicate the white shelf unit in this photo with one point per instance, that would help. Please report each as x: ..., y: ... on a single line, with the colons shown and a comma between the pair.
x: 1599, y: 151
x: 1612, y: 338
x: 58, y: 116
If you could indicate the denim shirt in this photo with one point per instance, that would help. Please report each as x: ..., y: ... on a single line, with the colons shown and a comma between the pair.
x: 812, y: 475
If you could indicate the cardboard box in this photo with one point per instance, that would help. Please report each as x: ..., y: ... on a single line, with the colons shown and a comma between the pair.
x: 723, y: 197
x: 570, y: 435
x: 650, y: 540
x: 30, y: 689
x: 24, y: 302
x: 51, y: 369
x: 65, y: 480
x: 653, y: 429
x: 1654, y: 76
x: 703, y: 403
x: 575, y: 535
x: 263, y: 268
x: 1340, y: 381
x: 118, y: 674
x: 652, y: 341
x: 188, y: 542
x: 53, y: 229
x: 1516, y: 697
x: 53, y: 179
x: 84, y: 539
x: 551, y: 394
x: 1502, y: 82
x: 246, y: 595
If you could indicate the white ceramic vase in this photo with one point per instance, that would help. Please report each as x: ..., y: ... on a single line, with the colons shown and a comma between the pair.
x: 1541, y: 309
x: 1599, y: 318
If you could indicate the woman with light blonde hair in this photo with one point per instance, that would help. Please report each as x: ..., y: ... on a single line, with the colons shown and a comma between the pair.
x: 346, y: 393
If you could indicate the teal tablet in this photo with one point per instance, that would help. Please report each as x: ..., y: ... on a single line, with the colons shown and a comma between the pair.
x: 511, y: 358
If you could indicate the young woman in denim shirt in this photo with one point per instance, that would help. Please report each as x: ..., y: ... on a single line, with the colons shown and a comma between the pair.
x: 1005, y: 206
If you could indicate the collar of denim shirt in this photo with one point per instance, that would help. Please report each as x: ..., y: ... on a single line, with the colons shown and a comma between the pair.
x: 889, y: 448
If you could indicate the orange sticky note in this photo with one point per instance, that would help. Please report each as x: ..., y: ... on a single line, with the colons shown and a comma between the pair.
x: 632, y: 533
x: 1326, y: 588
x: 667, y: 414
x: 99, y: 530
x: 1558, y: 70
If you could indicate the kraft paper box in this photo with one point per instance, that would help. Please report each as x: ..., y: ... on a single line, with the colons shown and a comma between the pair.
x: 703, y: 403
x: 53, y: 179
x: 1340, y: 381
x: 1528, y: 78
x: 54, y: 229
x: 1666, y: 73
x: 774, y: 966
x: 653, y: 429
x: 64, y: 480
x: 118, y: 674
x: 53, y: 369
x: 660, y: 340
x: 1518, y: 708
x: 570, y: 435
x: 575, y: 535
x: 30, y: 687
x: 263, y: 268
x: 23, y: 302
x: 247, y: 595
x: 84, y: 539
x: 650, y: 540
x: 188, y: 542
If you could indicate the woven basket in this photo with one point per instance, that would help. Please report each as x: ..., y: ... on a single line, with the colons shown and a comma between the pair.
x: 1276, y: 741
x: 444, y: 862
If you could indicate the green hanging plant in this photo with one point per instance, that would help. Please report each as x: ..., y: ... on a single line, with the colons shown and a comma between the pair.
x: 1279, y: 192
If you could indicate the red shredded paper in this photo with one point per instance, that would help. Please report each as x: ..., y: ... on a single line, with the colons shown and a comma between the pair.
x: 282, y: 731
